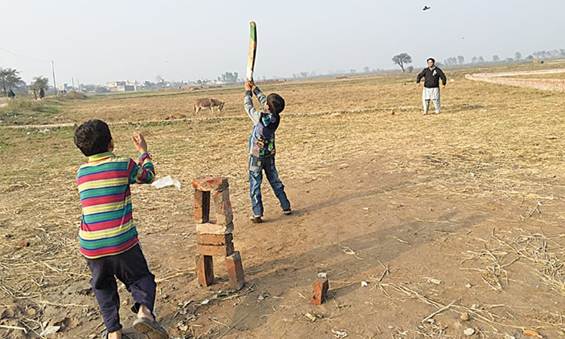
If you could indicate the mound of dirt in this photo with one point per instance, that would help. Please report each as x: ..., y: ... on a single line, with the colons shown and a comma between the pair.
x: 74, y: 95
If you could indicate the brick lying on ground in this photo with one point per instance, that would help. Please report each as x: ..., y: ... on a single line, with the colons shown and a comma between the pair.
x: 210, y: 228
x: 204, y: 270
x: 208, y: 184
x: 320, y: 291
x: 213, y: 250
x: 214, y: 239
x: 201, y: 207
x: 234, y: 268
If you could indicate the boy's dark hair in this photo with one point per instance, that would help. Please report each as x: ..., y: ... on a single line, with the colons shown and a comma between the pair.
x: 432, y: 60
x: 275, y: 103
x: 93, y: 137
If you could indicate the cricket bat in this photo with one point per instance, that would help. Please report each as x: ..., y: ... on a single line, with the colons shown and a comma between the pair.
x: 252, y: 50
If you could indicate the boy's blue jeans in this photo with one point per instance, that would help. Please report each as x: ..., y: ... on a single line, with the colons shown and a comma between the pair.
x: 256, y: 168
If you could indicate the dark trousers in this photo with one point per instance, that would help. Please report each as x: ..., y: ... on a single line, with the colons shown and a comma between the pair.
x: 130, y: 268
x: 256, y: 168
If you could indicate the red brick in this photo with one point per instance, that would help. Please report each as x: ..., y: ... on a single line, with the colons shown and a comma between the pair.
x: 214, y: 239
x: 320, y: 291
x: 212, y: 250
x: 208, y: 184
x: 235, y: 270
x: 222, y: 203
x: 204, y: 270
x: 201, y: 207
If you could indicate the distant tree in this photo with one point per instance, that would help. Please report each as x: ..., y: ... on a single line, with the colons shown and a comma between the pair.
x: 303, y: 74
x: 9, y: 78
x: 474, y: 60
x: 410, y: 69
x: 509, y: 60
x: 481, y: 59
x: 540, y: 54
x: 518, y: 56
x: 461, y: 60
x: 562, y: 52
x: 159, y: 79
x: 495, y: 58
x: 229, y: 77
x: 530, y: 57
x: 366, y: 69
x: 353, y: 71
x: 40, y: 83
x: 402, y: 60
x: 451, y: 61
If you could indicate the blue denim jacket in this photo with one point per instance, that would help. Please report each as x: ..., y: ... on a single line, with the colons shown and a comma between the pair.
x: 265, y: 124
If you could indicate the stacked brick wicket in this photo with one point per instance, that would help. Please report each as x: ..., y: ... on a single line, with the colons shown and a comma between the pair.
x: 215, y: 238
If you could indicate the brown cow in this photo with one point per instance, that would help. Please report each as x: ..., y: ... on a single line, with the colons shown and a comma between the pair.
x: 208, y: 103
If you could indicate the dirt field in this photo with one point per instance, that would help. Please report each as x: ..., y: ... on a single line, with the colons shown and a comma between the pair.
x: 546, y: 80
x: 454, y: 221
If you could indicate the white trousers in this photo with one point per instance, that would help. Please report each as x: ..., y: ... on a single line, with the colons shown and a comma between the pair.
x: 431, y: 94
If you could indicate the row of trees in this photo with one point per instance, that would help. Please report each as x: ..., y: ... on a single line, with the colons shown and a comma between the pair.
x: 556, y: 53
x: 10, y: 79
x: 404, y: 59
x: 229, y: 77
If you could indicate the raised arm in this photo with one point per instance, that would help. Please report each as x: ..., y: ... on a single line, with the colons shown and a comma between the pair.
x: 251, y: 111
x: 143, y: 171
x: 260, y: 96
x: 248, y: 104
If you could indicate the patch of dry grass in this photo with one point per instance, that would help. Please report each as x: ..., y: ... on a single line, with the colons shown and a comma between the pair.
x: 491, y: 141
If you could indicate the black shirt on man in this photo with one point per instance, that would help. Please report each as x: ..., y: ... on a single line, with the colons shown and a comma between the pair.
x: 431, y: 77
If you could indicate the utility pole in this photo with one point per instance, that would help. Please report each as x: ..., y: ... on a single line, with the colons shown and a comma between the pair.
x: 54, y: 81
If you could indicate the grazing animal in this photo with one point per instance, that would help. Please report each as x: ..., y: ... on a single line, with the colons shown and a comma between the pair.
x: 208, y: 103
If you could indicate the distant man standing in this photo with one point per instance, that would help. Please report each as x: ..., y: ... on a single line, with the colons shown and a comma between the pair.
x: 432, y: 76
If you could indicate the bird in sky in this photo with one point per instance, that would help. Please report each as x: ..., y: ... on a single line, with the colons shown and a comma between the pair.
x: 426, y: 8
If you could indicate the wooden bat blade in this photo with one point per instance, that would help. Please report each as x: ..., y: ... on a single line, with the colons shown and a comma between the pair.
x: 252, y: 50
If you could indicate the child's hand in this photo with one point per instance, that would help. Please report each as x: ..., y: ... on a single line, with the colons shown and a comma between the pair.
x: 249, y: 85
x: 139, y: 142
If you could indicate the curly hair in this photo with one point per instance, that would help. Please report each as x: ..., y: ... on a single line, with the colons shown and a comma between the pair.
x: 93, y: 137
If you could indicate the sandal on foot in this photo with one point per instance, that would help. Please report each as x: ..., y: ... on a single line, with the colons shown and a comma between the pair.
x: 124, y: 336
x: 151, y: 328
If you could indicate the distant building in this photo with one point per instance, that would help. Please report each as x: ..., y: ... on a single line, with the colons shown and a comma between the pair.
x: 66, y: 87
x: 122, y: 86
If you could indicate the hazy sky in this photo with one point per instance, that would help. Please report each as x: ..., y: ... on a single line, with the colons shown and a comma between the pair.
x: 103, y: 40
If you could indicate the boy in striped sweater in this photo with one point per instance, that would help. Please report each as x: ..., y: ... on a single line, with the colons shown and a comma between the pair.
x: 107, y: 235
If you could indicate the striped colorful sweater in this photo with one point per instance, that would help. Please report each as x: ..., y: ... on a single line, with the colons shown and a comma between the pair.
x: 107, y: 226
